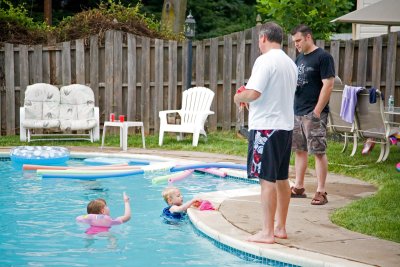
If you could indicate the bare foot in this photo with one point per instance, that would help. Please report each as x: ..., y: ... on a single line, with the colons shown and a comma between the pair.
x: 261, y: 237
x: 280, y: 233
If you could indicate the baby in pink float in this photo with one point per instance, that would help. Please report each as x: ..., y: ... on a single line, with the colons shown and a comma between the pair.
x: 99, y: 218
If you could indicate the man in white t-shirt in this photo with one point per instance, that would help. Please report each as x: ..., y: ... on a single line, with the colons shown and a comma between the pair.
x: 269, y: 94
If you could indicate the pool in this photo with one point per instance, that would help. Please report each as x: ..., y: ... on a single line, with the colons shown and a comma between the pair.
x: 38, y: 228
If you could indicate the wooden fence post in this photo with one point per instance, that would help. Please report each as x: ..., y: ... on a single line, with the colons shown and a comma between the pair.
x: 391, y: 65
x: 132, y: 69
x: 109, y: 74
x: 376, y: 62
x: 227, y: 84
x: 10, y: 91
x: 66, y: 63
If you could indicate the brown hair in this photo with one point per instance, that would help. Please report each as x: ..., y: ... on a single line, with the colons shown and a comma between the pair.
x: 303, y: 29
x: 96, y: 206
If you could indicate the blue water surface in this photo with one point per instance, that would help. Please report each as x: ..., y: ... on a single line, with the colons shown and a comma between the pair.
x: 38, y: 228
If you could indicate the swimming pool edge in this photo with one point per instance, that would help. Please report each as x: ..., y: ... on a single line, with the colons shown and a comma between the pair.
x: 213, y: 226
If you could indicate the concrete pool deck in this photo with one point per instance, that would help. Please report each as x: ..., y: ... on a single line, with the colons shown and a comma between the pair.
x: 313, y: 239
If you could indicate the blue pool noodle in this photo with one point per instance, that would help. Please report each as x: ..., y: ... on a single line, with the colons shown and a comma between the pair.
x: 209, y: 165
x: 92, y: 176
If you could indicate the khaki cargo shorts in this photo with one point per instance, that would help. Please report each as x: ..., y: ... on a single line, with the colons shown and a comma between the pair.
x: 309, y: 133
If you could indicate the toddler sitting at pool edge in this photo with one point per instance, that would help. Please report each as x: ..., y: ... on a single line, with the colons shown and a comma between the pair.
x: 99, y: 218
x: 176, y: 209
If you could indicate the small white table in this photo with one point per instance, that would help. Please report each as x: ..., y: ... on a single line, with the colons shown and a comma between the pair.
x: 123, y: 132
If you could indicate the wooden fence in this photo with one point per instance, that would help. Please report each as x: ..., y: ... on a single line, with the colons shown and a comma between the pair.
x: 137, y: 76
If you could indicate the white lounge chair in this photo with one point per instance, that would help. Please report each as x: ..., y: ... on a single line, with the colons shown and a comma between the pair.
x: 196, y: 103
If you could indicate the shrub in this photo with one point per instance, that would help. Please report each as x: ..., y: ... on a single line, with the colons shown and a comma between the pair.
x: 17, y: 27
x: 109, y: 16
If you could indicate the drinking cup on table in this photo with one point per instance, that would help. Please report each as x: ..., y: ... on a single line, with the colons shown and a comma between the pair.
x: 112, y: 117
x: 121, y: 118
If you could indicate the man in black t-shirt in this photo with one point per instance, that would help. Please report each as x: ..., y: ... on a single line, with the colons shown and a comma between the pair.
x: 314, y: 86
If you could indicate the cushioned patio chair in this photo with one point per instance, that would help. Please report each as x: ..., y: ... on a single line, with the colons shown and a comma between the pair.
x: 196, y: 103
x: 371, y: 122
x: 336, y: 123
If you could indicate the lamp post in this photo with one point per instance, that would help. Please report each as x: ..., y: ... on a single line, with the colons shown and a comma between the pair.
x: 190, y: 31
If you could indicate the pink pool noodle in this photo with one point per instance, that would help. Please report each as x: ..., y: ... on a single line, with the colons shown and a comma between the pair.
x: 213, y: 171
x: 181, y: 176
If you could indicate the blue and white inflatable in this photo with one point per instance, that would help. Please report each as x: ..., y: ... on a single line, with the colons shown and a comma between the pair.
x: 41, y: 155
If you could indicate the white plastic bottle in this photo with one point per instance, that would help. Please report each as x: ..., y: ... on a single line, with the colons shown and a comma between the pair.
x: 391, y: 104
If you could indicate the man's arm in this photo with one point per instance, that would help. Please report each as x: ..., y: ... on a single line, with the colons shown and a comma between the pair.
x: 327, y: 87
x: 246, y: 96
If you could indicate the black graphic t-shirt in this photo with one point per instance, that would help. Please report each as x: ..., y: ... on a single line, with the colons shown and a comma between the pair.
x: 313, y: 68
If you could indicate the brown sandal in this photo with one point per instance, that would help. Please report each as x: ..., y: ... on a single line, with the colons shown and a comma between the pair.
x: 297, y: 192
x: 319, y: 198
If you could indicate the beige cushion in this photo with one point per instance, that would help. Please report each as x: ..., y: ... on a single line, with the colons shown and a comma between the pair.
x: 76, y: 107
x: 42, y: 102
x: 76, y: 102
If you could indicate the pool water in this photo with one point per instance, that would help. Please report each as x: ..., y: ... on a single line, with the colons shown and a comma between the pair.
x: 38, y: 228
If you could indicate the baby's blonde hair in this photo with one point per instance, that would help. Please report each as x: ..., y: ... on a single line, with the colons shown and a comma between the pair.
x: 167, y: 192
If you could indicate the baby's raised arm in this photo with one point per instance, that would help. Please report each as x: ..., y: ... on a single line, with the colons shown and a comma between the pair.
x: 127, y: 216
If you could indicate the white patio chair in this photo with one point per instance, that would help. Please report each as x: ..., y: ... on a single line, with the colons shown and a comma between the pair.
x: 336, y: 123
x: 196, y: 103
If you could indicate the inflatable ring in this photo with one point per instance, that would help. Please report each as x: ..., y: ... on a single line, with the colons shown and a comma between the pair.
x: 41, y: 155
x: 398, y: 167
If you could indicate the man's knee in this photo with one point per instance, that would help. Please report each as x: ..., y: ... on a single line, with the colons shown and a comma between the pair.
x: 320, y: 156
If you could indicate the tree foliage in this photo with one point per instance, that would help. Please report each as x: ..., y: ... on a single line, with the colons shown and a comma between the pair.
x: 220, y: 17
x: 317, y: 14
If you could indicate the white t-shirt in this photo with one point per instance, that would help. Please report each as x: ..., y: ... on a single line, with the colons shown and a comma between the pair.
x: 274, y: 75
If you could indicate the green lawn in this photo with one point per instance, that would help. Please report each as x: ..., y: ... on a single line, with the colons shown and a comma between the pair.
x: 378, y: 215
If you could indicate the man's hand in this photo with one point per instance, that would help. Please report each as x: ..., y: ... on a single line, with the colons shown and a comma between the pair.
x: 241, y: 105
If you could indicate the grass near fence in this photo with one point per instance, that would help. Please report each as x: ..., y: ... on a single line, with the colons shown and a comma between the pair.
x: 378, y: 215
